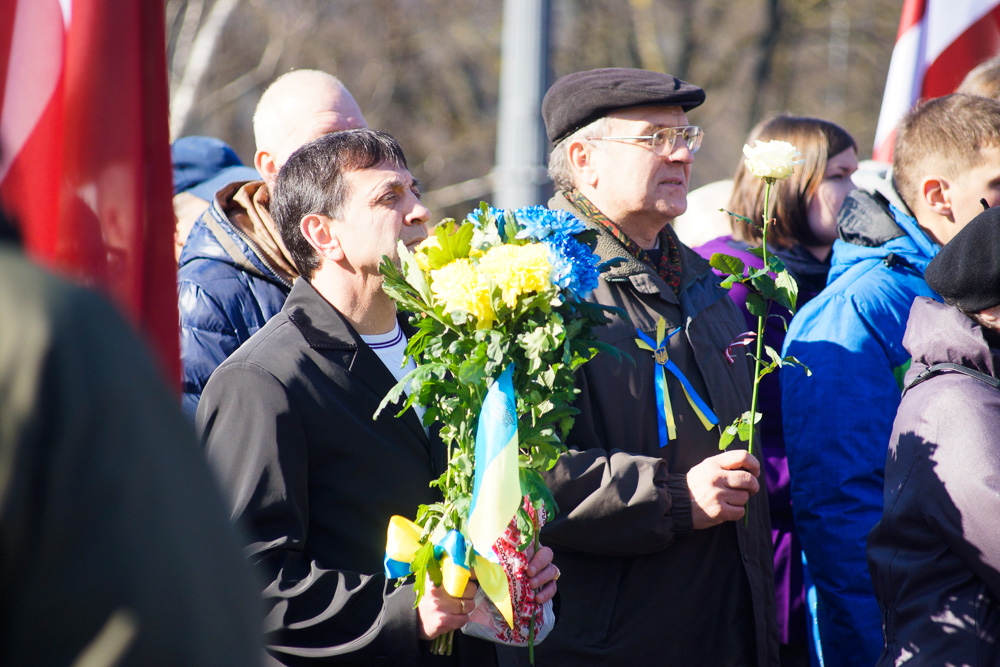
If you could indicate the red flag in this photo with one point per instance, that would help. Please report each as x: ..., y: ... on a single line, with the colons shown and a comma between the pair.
x: 85, y: 151
x: 939, y: 41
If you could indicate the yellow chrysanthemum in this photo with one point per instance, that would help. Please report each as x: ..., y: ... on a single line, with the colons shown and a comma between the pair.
x: 457, y: 286
x: 517, y: 270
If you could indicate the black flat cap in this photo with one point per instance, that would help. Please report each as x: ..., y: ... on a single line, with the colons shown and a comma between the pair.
x: 582, y: 97
x: 966, y: 271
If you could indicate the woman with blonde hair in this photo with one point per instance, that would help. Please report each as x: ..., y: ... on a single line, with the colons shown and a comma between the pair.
x: 804, y: 210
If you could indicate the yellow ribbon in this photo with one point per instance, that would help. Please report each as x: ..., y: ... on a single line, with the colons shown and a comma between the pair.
x: 403, y: 541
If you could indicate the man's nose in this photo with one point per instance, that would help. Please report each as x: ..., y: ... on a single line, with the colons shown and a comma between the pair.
x: 680, y: 152
x: 420, y: 215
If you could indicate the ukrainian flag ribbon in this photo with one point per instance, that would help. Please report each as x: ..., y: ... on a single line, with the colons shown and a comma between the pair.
x: 496, y: 495
x: 496, y: 489
x: 403, y: 541
x: 665, y: 415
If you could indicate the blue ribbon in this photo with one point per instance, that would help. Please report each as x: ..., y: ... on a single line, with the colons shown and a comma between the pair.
x: 664, y: 363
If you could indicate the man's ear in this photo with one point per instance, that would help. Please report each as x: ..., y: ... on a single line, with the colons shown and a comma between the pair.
x: 991, y: 317
x: 936, y: 193
x: 318, y: 231
x: 266, y: 166
x: 581, y: 162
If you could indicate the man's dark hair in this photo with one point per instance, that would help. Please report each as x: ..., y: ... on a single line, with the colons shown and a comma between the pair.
x: 313, y: 181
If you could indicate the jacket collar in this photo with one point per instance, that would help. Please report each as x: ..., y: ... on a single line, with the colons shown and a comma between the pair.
x: 641, y: 275
x: 324, y: 328
x: 322, y: 325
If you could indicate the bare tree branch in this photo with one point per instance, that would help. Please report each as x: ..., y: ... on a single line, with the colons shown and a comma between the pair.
x: 198, y: 63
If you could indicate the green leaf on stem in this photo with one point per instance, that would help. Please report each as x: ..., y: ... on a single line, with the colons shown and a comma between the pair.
x: 745, y: 426
x: 787, y: 290
x: 764, y: 284
x: 792, y: 360
x: 756, y: 305
x: 775, y: 357
x: 424, y: 565
x: 734, y: 266
x: 729, y: 281
x: 740, y: 217
x: 726, y: 438
x: 775, y: 263
x: 784, y: 320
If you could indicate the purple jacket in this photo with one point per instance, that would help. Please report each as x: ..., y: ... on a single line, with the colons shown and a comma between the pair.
x: 810, y: 273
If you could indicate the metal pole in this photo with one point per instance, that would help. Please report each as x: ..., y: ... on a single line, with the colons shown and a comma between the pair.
x: 522, y: 148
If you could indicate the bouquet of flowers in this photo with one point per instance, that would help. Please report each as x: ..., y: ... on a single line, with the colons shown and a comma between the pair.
x: 501, y: 320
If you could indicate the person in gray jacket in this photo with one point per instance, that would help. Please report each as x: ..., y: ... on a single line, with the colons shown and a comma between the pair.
x: 934, y: 556
x: 658, y: 565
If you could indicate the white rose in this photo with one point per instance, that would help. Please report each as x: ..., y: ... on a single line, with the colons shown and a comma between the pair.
x: 774, y: 160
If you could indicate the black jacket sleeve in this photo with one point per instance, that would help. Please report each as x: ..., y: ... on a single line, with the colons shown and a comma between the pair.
x: 256, y: 443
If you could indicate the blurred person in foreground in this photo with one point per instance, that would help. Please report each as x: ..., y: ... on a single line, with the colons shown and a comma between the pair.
x: 288, y: 428
x: 804, y: 208
x: 659, y: 568
x: 935, y: 554
x: 114, y: 545
x: 235, y: 271
x: 837, y: 422
x: 201, y: 167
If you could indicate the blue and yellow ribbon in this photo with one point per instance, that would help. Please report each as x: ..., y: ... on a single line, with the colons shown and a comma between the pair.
x: 403, y: 541
x: 665, y: 414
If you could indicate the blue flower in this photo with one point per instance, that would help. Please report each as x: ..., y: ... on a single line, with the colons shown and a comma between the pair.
x: 574, y: 266
x: 540, y: 222
x: 478, y: 221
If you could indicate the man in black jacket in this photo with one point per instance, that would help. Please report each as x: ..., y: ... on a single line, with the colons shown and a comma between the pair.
x: 288, y: 423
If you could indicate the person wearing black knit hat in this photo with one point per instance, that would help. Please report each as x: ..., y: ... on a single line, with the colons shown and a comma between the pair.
x: 966, y: 273
x: 935, y: 553
x: 659, y: 566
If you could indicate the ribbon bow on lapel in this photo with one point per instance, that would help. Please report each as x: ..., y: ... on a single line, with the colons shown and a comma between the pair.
x: 664, y: 412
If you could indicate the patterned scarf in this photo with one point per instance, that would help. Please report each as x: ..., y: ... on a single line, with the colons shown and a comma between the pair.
x: 669, y: 265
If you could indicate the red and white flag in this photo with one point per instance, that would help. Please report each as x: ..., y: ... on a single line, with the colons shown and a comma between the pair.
x: 939, y: 41
x: 85, y: 151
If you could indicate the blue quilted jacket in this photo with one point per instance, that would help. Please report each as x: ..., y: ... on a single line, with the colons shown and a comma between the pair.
x: 837, y: 423
x: 225, y: 294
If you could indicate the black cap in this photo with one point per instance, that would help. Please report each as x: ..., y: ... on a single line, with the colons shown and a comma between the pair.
x: 582, y: 97
x: 966, y: 271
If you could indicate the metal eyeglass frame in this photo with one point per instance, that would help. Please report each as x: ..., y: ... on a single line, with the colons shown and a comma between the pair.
x: 664, y: 141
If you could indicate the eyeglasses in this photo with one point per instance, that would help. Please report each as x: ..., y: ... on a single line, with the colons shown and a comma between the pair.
x: 662, y: 142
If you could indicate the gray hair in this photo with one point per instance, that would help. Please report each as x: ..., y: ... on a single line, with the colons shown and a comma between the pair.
x: 559, y: 169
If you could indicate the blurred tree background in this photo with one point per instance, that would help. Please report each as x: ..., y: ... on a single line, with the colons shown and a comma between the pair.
x: 428, y: 70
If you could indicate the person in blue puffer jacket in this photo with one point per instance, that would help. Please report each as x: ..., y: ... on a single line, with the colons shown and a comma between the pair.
x: 234, y: 272
x: 837, y: 423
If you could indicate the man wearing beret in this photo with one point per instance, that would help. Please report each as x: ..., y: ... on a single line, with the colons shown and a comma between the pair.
x: 935, y: 555
x: 658, y: 565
